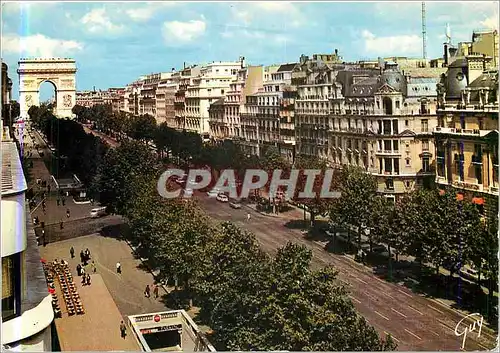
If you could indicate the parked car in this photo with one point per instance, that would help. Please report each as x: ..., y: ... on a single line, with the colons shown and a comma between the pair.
x: 380, y: 250
x: 469, y: 273
x: 188, y: 192
x: 98, y: 212
x: 235, y: 204
x: 222, y: 198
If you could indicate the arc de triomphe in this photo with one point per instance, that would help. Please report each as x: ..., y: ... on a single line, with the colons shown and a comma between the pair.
x: 58, y: 71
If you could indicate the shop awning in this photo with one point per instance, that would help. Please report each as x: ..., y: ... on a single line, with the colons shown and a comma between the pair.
x: 478, y: 200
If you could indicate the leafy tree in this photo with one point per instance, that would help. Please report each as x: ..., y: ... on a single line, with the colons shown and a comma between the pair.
x: 316, y: 205
x: 358, y: 191
x: 143, y: 127
x: 119, y: 167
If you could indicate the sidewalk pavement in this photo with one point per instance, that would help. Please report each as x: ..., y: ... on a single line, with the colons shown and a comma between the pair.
x: 55, y: 214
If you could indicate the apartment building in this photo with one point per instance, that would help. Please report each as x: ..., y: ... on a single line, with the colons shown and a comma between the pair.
x: 467, y: 132
x: 165, y: 96
x: 185, y: 80
x: 211, y: 84
x: 259, y: 120
x: 27, y: 312
x: 373, y: 117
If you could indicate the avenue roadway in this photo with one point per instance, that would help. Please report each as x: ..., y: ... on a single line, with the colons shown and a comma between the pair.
x: 415, y: 322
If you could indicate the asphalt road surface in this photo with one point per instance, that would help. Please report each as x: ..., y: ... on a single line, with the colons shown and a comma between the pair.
x: 415, y: 322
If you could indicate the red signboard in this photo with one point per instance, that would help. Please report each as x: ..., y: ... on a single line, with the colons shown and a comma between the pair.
x: 157, y: 318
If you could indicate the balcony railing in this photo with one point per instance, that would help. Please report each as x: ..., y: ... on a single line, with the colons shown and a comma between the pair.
x: 458, y: 131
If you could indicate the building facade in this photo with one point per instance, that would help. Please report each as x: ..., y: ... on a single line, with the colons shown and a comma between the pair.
x: 211, y: 84
x: 467, y: 132
x: 27, y: 312
x: 373, y: 117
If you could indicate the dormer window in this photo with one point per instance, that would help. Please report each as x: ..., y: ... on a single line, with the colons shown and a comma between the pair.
x: 460, y: 76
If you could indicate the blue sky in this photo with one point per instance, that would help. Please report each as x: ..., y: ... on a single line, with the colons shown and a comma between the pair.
x: 114, y: 43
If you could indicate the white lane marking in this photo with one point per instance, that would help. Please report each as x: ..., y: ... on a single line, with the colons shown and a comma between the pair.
x: 376, y: 312
x: 356, y: 300
x: 394, y: 338
x: 387, y: 295
x: 399, y: 290
x: 430, y: 306
x: 411, y: 307
x: 378, y: 279
x: 359, y: 279
x: 371, y: 297
x: 414, y: 335
x: 435, y: 334
x: 403, y: 315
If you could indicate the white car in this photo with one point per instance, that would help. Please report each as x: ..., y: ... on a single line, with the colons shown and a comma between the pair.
x: 188, y: 192
x: 213, y: 193
x: 222, y: 198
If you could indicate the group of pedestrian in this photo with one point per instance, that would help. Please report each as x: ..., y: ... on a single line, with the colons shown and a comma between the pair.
x: 61, y: 200
x: 84, y: 256
x: 147, y: 291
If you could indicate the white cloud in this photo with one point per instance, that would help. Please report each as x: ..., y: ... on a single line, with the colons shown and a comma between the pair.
x: 491, y: 22
x: 97, y: 20
x: 176, y: 32
x: 142, y: 14
x: 39, y: 45
x: 392, y: 45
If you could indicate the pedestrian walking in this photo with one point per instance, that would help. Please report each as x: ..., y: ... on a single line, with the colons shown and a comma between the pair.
x: 82, y: 257
x: 83, y: 271
x: 248, y: 216
x: 87, y: 253
x: 92, y: 265
x: 88, y: 279
x: 58, y: 201
x: 118, y: 267
x: 79, y: 270
x: 63, y: 200
x: 155, y: 291
x: 72, y: 252
x: 147, y: 291
x: 84, y: 280
x: 67, y: 212
x: 123, y: 330
x: 48, y: 188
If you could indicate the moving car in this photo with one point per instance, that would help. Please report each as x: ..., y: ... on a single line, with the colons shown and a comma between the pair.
x: 98, y: 212
x: 222, y: 198
x: 213, y: 193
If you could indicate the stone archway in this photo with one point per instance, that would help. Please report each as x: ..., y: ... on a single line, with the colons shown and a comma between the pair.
x: 59, y: 72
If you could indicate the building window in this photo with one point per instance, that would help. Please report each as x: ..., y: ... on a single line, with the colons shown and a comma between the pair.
x: 408, y: 184
x: 387, y: 127
x: 425, y: 145
x: 389, y: 184
x: 388, y: 165
x: 407, y: 123
x: 387, y: 145
x: 395, y: 145
x: 11, y: 286
x: 478, y: 170
x: 425, y: 125
x: 408, y: 162
x: 387, y: 102
x: 396, y: 165
x: 395, y: 127
x: 397, y: 104
x: 425, y: 165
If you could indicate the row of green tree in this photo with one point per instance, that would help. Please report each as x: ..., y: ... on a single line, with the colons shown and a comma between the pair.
x: 252, y: 301
x: 80, y: 152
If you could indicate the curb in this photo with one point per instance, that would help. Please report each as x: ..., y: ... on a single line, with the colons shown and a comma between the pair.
x: 145, y: 264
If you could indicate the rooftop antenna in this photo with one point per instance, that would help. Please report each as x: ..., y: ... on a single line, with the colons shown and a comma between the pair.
x: 424, y: 33
x: 448, y: 33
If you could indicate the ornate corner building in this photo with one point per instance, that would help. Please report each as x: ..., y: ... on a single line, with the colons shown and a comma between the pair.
x: 466, y: 137
x: 372, y: 115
